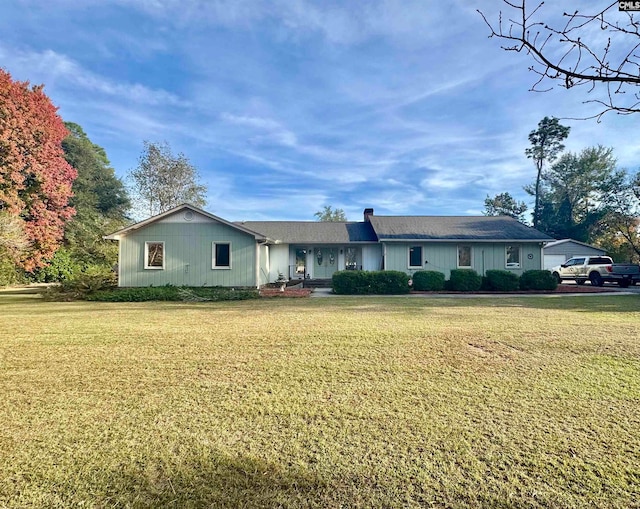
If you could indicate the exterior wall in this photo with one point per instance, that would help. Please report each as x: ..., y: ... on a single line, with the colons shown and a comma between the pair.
x: 443, y: 257
x: 278, y: 261
x: 188, y: 254
x: 372, y: 257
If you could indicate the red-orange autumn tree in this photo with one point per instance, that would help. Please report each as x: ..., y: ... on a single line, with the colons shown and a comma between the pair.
x: 35, y: 179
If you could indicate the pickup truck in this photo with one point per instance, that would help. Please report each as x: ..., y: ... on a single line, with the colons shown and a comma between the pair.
x: 598, y: 270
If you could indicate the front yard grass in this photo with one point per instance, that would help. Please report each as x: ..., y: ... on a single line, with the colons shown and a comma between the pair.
x: 340, y: 402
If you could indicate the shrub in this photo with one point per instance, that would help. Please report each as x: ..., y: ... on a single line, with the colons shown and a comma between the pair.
x: 10, y: 273
x: 351, y: 282
x: 428, y: 280
x: 172, y: 293
x: 82, y: 284
x: 502, y: 281
x: 389, y: 282
x: 465, y: 280
x: 537, y: 280
x: 60, y: 268
x: 360, y: 282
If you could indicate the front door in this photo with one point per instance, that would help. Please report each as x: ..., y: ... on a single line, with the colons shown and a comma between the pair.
x: 325, y: 262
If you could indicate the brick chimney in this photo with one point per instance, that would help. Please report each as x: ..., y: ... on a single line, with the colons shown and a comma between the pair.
x: 367, y: 214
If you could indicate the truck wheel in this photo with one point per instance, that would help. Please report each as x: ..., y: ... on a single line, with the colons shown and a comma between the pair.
x: 596, y: 279
x: 557, y: 277
x: 624, y: 283
x: 580, y: 281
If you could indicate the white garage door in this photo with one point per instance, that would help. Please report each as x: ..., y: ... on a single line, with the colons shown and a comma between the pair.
x: 551, y: 261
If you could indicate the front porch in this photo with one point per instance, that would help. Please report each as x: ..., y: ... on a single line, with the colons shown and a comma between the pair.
x: 311, y: 262
x: 320, y: 262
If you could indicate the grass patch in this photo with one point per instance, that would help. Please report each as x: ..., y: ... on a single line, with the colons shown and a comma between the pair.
x: 349, y: 402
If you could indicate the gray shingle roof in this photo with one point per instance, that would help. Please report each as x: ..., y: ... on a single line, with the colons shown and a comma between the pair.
x: 476, y: 228
x: 313, y: 232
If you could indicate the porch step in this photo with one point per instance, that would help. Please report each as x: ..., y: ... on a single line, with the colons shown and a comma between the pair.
x: 317, y: 283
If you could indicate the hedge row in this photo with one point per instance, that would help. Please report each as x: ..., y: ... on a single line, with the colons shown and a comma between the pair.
x: 172, y: 293
x: 360, y: 282
x: 98, y: 284
x: 465, y: 280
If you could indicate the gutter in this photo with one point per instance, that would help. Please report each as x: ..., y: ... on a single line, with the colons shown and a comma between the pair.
x: 468, y: 241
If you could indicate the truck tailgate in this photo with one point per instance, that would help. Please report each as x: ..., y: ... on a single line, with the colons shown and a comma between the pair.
x: 625, y: 268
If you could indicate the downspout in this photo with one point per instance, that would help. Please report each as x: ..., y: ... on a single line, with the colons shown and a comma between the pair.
x: 119, y: 262
x: 257, y: 265
x: 384, y: 256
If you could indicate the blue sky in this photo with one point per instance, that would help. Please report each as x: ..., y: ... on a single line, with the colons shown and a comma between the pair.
x: 284, y: 106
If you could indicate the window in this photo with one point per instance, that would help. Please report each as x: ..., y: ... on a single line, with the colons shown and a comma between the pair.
x: 351, y: 257
x: 464, y: 257
x: 154, y: 255
x: 513, y: 257
x: 415, y: 256
x: 600, y: 260
x: 221, y: 255
x: 301, y: 261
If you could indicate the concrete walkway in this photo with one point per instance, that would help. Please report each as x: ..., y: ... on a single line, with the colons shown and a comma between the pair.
x: 328, y: 292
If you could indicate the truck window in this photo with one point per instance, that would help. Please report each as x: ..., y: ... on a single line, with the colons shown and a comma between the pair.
x: 599, y: 261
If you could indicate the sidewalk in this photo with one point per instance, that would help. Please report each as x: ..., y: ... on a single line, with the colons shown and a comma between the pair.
x: 328, y: 292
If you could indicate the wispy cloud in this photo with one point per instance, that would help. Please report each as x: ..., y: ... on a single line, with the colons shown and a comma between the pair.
x: 289, y: 105
x: 273, y: 130
x: 59, y: 69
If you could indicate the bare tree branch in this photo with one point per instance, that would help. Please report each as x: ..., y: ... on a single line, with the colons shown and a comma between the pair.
x: 569, y: 57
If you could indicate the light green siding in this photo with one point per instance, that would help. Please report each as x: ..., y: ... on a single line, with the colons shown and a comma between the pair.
x: 188, y: 256
x: 372, y: 257
x: 443, y: 257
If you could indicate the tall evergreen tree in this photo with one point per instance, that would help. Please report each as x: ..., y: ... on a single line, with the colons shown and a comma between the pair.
x: 577, y: 193
x: 100, y: 199
x: 546, y: 145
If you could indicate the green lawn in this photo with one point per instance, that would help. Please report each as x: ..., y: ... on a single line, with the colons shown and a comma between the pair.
x: 337, y: 402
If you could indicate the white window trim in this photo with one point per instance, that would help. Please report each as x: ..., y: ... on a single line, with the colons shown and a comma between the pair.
x: 213, y: 256
x: 458, y: 257
x: 409, y: 266
x: 146, y: 255
x: 506, y: 257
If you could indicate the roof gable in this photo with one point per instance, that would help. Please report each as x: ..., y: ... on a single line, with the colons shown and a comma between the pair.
x: 574, y: 242
x: 169, y: 216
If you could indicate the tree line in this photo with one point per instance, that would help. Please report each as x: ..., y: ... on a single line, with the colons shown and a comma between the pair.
x: 583, y: 196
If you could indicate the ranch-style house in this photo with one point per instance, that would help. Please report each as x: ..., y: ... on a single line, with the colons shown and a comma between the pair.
x: 187, y: 246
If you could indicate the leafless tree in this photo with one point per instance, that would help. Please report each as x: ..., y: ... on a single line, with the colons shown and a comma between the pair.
x: 573, y: 54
